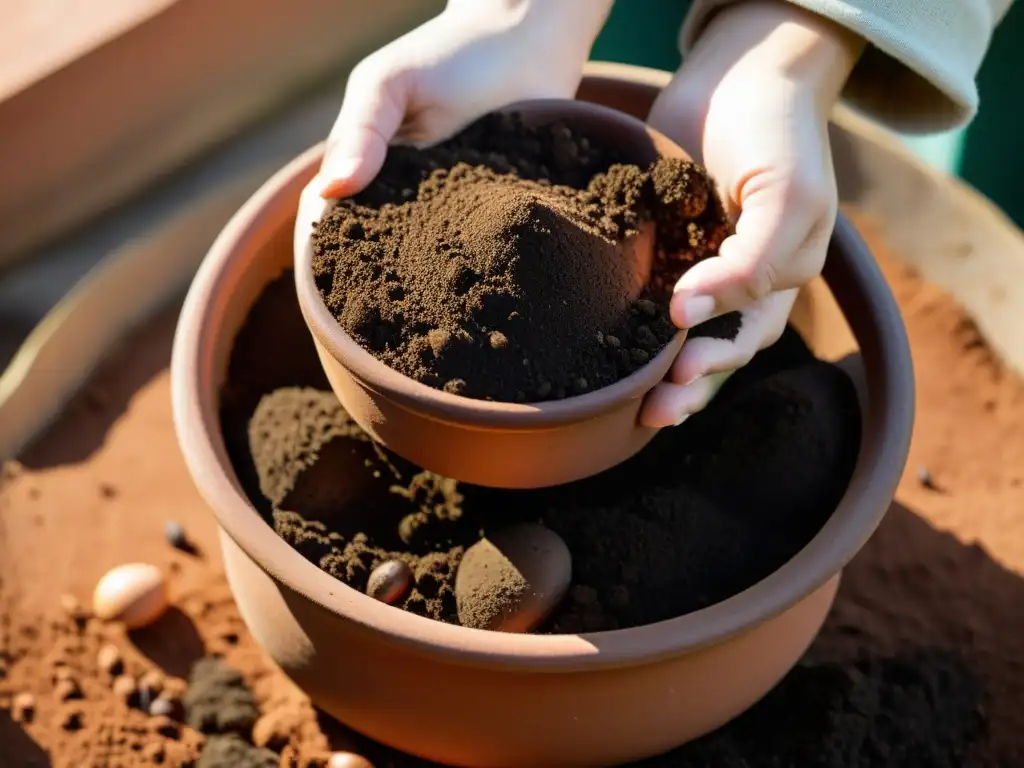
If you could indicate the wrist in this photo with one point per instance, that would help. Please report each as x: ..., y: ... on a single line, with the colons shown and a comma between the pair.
x: 775, y: 36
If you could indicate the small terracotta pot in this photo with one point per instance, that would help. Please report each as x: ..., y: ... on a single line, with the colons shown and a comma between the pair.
x: 475, y: 698
x: 503, y: 445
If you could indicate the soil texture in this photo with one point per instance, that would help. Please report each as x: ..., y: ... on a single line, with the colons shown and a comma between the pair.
x: 700, y: 514
x: 499, y: 264
x: 917, y: 666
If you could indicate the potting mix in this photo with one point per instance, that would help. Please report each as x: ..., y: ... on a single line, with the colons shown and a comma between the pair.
x: 497, y: 264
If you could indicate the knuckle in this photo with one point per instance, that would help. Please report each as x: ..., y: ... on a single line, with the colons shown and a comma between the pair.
x: 758, y: 280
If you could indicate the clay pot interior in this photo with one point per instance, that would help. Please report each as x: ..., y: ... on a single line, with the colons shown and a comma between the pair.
x: 597, y: 699
x: 540, y: 444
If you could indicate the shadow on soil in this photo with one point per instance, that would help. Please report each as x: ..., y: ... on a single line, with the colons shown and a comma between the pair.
x: 105, y: 397
x: 17, y: 749
x: 172, y: 643
x: 913, y: 669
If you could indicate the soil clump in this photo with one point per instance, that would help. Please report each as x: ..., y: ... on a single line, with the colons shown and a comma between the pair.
x: 700, y: 514
x: 497, y: 265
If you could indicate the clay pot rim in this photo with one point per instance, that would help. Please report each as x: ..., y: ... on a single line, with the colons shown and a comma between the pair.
x: 852, y: 275
x: 454, y: 409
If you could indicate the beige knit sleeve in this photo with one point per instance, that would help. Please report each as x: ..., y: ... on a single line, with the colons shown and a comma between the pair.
x: 918, y: 71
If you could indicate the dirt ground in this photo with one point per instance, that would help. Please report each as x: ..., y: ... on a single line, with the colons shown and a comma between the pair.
x: 945, y: 570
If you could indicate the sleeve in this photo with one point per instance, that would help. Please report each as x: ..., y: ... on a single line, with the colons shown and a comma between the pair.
x: 918, y: 72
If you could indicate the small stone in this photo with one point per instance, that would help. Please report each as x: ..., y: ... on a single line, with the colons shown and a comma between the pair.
x: 23, y: 708
x: 175, y: 534
x: 390, y: 581
x: 348, y: 760
x: 152, y: 682
x: 72, y: 720
x: 498, y: 340
x: 109, y: 659
x: 925, y: 479
x: 125, y: 688
x: 612, y: 341
x: 165, y: 705
x: 512, y: 580
x: 67, y: 689
x: 647, y: 307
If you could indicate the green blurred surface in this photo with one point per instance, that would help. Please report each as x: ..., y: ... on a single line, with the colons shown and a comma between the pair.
x: 645, y: 33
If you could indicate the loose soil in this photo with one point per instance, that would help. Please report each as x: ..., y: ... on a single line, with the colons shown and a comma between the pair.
x: 916, y: 666
x: 697, y: 516
x: 498, y: 265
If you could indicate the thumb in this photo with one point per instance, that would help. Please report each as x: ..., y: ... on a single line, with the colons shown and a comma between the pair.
x: 371, y: 113
x: 768, y: 252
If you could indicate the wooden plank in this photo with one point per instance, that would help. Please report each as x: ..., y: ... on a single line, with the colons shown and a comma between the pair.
x: 135, y: 107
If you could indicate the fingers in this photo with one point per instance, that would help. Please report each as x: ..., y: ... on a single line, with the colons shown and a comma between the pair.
x: 371, y: 114
x: 705, y: 363
x: 762, y: 325
x: 669, y: 404
x: 780, y: 243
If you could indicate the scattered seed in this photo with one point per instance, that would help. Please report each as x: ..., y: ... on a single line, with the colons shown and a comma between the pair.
x: 135, y: 594
x: 498, y: 340
x: 390, y: 581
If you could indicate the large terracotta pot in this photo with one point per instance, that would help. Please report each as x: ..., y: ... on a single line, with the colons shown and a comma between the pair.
x: 475, y: 698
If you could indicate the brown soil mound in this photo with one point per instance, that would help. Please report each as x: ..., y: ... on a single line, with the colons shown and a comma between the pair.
x: 498, y: 265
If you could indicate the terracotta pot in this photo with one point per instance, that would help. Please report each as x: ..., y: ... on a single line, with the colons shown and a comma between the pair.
x: 503, y: 445
x: 476, y: 698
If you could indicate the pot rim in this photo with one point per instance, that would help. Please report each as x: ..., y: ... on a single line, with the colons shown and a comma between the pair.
x: 862, y: 293
x: 467, y: 412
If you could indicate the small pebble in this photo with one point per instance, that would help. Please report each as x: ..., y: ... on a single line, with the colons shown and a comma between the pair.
x: 612, y: 341
x: 175, y: 534
x: 23, y: 708
x: 389, y: 582
x: 72, y: 720
x: 348, y: 760
x: 135, y: 594
x: 164, y: 706
x: 647, y: 307
x: 152, y: 682
x: 125, y: 688
x: 109, y: 659
x: 67, y: 689
x: 512, y: 580
x: 924, y: 477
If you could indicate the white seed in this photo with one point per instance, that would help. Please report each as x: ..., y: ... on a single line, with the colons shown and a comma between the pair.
x: 135, y: 594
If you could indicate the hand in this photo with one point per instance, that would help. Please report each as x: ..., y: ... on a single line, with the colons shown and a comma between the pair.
x: 751, y: 103
x: 475, y: 57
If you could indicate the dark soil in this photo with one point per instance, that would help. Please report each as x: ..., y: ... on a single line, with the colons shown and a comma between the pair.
x: 699, y: 515
x: 218, y: 700
x: 498, y: 264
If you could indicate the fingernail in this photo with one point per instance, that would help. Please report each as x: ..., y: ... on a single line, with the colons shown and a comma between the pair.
x: 681, y: 419
x: 339, y: 175
x: 697, y: 310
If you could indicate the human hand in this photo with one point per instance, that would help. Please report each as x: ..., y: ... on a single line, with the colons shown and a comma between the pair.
x: 475, y: 57
x: 752, y: 103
